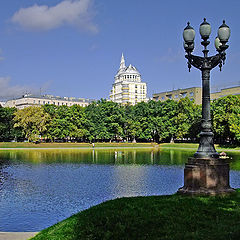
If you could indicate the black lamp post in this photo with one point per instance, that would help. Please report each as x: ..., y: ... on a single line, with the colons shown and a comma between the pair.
x: 206, y: 172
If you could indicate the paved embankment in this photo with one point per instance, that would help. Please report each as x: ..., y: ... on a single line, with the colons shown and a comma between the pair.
x: 16, y: 235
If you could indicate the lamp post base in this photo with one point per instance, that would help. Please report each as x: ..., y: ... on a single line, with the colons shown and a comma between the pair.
x: 206, y: 176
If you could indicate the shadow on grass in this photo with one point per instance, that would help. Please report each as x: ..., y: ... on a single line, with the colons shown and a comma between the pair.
x: 229, y: 146
x: 156, y: 217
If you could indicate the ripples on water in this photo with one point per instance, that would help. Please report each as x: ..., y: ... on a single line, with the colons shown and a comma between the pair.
x: 41, y: 187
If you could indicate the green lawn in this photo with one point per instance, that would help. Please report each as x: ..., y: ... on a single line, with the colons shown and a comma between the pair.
x: 195, y: 146
x: 71, y: 145
x: 154, y: 217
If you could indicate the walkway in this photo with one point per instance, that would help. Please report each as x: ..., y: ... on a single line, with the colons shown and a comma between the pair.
x: 16, y: 235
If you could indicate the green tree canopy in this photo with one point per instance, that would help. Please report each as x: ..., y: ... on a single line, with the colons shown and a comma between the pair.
x: 33, y: 121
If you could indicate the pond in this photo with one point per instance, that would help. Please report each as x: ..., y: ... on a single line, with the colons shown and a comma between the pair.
x: 38, y: 188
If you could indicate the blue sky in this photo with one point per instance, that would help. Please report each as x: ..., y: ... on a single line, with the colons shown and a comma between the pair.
x: 73, y: 47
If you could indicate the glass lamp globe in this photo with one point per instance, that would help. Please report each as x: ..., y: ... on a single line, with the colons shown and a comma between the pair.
x: 217, y: 43
x: 188, y: 34
x: 205, y: 29
x: 224, y: 32
x: 188, y: 47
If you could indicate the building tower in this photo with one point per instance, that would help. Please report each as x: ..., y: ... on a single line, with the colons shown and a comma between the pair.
x: 128, y: 87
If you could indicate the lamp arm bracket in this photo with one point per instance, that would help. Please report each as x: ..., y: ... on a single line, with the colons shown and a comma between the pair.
x: 204, y: 62
x: 195, y: 61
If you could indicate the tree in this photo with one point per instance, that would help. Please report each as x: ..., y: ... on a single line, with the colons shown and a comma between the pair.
x: 105, y: 121
x: 7, y: 131
x: 187, y: 119
x: 33, y: 121
x: 166, y: 120
x: 226, y: 119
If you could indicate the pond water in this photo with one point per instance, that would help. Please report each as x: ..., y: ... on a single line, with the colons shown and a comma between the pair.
x: 38, y: 188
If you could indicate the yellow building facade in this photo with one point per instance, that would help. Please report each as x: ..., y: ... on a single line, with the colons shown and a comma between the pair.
x: 225, y: 92
x: 194, y: 94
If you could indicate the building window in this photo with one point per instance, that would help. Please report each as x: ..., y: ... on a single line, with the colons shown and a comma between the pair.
x: 162, y: 98
x: 176, y: 96
x: 184, y: 94
x: 39, y: 101
x: 58, y: 103
x: 169, y: 96
x: 33, y: 101
x: 43, y: 102
x: 135, y: 91
x: 54, y: 103
x: 191, y: 94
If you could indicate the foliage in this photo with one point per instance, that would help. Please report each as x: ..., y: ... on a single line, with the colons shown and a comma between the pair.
x: 33, y: 121
x: 187, y: 119
x: 226, y: 118
x: 154, y: 217
x: 105, y: 121
x: 7, y: 131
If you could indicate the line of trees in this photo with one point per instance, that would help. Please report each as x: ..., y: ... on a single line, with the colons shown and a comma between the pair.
x: 108, y: 121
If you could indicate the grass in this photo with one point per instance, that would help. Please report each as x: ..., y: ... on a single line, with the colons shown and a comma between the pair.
x: 154, y: 217
x: 71, y: 145
x: 195, y: 146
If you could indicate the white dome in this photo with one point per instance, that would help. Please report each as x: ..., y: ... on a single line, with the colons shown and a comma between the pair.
x: 128, y: 70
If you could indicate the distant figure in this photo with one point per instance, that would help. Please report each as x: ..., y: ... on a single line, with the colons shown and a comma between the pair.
x: 223, y: 154
x: 93, y: 145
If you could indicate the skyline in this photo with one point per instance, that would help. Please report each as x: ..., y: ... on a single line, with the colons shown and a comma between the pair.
x: 74, y: 47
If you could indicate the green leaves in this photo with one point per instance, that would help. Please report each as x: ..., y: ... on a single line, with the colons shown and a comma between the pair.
x: 33, y: 121
x: 226, y: 118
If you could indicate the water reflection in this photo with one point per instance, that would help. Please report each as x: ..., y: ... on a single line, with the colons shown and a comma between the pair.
x: 41, y: 187
x: 107, y: 156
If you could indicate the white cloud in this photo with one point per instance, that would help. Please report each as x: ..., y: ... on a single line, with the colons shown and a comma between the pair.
x: 68, y: 12
x: 7, y: 91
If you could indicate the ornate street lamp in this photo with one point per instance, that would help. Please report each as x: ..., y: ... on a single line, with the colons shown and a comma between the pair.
x: 206, y: 172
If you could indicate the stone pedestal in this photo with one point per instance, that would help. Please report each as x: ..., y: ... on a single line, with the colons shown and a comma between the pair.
x: 206, y: 177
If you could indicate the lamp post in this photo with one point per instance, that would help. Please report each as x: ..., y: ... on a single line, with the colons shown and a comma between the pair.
x: 206, y: 172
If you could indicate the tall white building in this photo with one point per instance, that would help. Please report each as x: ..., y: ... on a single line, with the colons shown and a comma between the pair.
x: 128, y: 87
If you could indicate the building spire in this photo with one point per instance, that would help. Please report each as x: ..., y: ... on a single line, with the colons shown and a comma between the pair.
x: 122, y: 63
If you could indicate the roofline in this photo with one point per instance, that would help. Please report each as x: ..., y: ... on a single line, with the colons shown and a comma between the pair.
x: 54, y: 98
x: 180, y: 89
